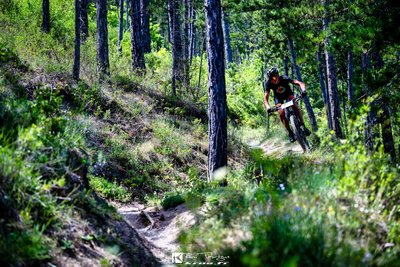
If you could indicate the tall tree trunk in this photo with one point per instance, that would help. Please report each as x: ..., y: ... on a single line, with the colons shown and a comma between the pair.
x: 227, y: 38
x: 285, y: 66
x: 46, y: 16
x: 371, y: 131
x: 145, y: 22
x: 77, y: 52
x: 350, y: 88
x: 365, y: 66
x: 128, y: 5
x: 170, y: 20
x: 192, y: 33
x: 309, y: 109
x: 120, y: 26
x: 103, y: 63
x: 332, y: 82
x: 185, y: 43
x: 371, y: 127
x: 217, y: 107
x: 138, y: 63
x: 325, y: 97
x: 384, y: 115
x: 176, y: 37
x: 84, y: 20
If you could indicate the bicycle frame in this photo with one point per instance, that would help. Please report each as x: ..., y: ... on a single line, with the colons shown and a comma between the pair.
x: 294, y: 121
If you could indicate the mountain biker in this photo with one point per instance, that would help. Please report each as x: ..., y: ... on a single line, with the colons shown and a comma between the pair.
x: 280, y: 85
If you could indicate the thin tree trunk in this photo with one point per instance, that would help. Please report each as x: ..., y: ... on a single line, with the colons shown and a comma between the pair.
x: 127, y: 24
x: 84, y: 20
x: 387, y: 136
x: 344, y: 124
x: 185, y: 43
x: 120, y: 26
x: 365, y: 66
x: 145, y: 22
x: 192, y: 33
x: 332, y: 82
x: 323, y: 88
x: 371, y: 127
x: 285, y: 66
x: 46, y: 16
x: 170, y: 20
x: 350, y: 88
x: 309, y: 109
x: 217, y: 107
x: 371, y: 131
x: 177, y: 66
x: 227, y: 38
x: 138, y: 63
x: 201, y: 63
x: 77, y: 52
x: 103, y: 63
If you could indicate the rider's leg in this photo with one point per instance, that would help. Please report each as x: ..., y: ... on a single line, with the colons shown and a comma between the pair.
x: 285, y: 122
x: 283, y: 118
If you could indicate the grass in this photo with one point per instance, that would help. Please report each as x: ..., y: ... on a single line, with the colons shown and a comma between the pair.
x: 109, y: 190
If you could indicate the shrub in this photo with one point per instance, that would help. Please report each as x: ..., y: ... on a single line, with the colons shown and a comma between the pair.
x: 171, y: 201
x: 108, y: 189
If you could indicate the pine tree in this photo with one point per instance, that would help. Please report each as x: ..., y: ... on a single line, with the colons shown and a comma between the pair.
x: 46, y: 16
x: 77, y: 53
x: 138, y: 63
x: 217, y: 107
x: 103, y: 63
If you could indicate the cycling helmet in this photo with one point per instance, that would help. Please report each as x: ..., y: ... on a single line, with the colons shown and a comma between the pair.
x: 273, y: 71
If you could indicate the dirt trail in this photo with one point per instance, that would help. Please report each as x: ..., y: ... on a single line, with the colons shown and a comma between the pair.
x: 160, y: 228
x: 276, y: 146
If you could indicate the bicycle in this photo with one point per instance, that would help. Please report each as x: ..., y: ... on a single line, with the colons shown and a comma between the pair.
x: 291, y: 116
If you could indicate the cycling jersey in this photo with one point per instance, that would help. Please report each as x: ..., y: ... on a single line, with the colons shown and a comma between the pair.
x: 282, y: 90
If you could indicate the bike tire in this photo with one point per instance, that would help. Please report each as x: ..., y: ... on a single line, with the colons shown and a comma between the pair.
x: 300, y: 135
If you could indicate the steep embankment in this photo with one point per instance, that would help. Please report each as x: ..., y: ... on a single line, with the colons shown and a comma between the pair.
x: 46, y: 215
x: 123, y: 142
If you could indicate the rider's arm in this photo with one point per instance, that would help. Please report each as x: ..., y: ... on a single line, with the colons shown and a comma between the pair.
x: 266, y: 97
x: 301, y: 84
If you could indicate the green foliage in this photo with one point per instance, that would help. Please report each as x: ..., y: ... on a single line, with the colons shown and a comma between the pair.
x: 30, y: 245
x: 108, y: 189
x: 245, y: 94
x: 172, y: 142
x: 34, y: 141
x: 302, y: 214
x: 171, y: 201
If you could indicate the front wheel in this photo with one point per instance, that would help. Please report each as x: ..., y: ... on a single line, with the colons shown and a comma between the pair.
x: 300, y: 135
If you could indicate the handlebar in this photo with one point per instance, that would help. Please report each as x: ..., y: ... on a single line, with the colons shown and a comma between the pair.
x: 275, y: 108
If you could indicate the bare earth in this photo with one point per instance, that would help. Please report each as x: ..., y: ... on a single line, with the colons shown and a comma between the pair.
x: 161, y: 230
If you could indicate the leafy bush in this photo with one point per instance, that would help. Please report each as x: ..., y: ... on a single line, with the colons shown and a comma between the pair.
x: 171, y: 201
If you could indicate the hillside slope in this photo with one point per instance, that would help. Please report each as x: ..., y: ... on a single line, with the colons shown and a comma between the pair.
x: 88, y: 145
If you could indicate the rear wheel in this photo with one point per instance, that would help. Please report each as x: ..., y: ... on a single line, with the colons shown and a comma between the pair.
x: 299, y: 133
